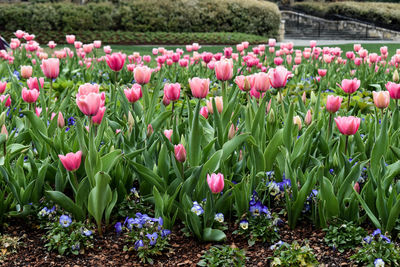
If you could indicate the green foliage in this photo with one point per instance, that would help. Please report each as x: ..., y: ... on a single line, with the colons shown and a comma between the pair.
x: 377, y: 246
x: 253, y: 17
x: 344, y: 235
x: 223, y: 256
x: 292, y: 255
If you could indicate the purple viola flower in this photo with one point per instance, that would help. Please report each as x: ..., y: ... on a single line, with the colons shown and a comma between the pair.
x: 139, y: 244
x: 65, y: 220
x: 153, y: 238
x: 118, y: 227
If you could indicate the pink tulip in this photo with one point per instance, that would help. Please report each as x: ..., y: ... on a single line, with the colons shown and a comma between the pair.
x: 215, y: 182
x: 172, y: 91
x: 243, y: 82
x: 71, y: 161
x: 168, y: 134
x: 51, y: 67
x: 218, y: 104
x: 38, y: 111
x: 357, y: 47
x: 199, y: 87
x: 239, y: 47
x: 97, y: 44
x: 278, y: 61
x: 204, y: 112
x: 278, y: 77
x: 70, y: 39
x: 26, y: 72
x: 3, y: 86
x: 4, y: 131
x: 88, y: 88
x: 8, y: 101
x: 333, y: 103
x: 60, y: 119
x: 142, y: 74
x: 357, y: 187
x: 261, y: 82
x: 34, y: 84
x: 180, y: 153
x: 350, y: 86
x: 134, y: 93
x: 116, y: 61
x: 348, y: 125
x: 51, y: 44
x: 308, y: 118
x: 394, y: 90
x: 99, y: 116
x: 381, y: 99
x: 30, y: 96
x: 297, y: 121
x: 89, y: 104
x: 19, y: 34
x: 322, y: 72
x: 245, y: 44
x: 224, y: 69
x: 313, y: 44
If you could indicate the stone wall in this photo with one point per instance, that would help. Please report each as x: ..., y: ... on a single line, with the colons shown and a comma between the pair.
x: 299, y: 25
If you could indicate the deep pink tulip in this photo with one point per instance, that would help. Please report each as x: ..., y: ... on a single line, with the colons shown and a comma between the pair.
x: 199, y: 87
x: 30, y: 96
x: 350, y: 86
x: 215, y: 182
x: 394, y: 90
x: 71, y: 161
x: 168, y: 134
x: 224, y: 69
x: 89, y: 104
x: 381, y: 99
x: 142, y: 74
x: 166, y: 101
x: 348, y: 125
x: 278, y: 61
x: 322, y: 72
x: 99, y: 116
x: 261, y: 82
x: 134, y: 93
x: 8, y: 101
x: 278, y: 77
x: 3, y: 86
x: 172, y: 91
x: 333, y: 103
x: 116, y: 61
x: 19, y: 34
x: 180, y: 153
x: 34, y: 84
x: 51, y: 67
x: 204, y: 112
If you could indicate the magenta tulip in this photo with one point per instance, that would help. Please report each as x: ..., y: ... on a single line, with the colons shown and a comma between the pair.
x: 348, y: 125
x: 71, y: 161
x: 115, y: 61
x: 350, y: 86
x: 7, y: 98
x: 30, y: 96
x: 99, y: 116
x: 199, y: 87
x: 333, y: 103
x: 278, y: 77
x: 172, y: 91
x: 394, y: 90
x: 180, y: 153
x: 3, y: 86
x: 215, y: 182
x: 204, y: 112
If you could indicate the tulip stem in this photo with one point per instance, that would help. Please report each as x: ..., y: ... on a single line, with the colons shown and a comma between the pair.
x: 51, y: 89
x: 348, y: 103
x: 113, y: 92
x: 5, y: 148
x: 329, y: 126
x: 172, y: 114
x: 345, y: 145
x: 75, y: 180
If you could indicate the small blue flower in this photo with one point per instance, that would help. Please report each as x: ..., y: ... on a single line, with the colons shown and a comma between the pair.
x: 331, y: 171
x: 87, y: 232
x: 385, y: 238
x: 368, y: 239
x: 219, y: 217
x: 76, y: 246
x: 376, y: 232
x: 139, y: 244
x: 165, y: 233
x: 118, y: 227
x: 43, y: 212
x: 153, y: 238
x: 379, y: 263
x: 244, y: 224
x: 197, y: 209
x: 65, y: 220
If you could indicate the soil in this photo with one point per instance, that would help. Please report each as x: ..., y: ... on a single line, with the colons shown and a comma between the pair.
x: 184, y: 251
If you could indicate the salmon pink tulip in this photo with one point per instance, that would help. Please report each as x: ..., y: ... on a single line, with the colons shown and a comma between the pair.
x: 381, y: 99
x: 51, y: 67
x: 350, y: 86
x: 134, y: 93
x: 89, y: 104
x: 199, y: 87
x: 142, y: 74
x: 71, y: 161
x: 348, y: 125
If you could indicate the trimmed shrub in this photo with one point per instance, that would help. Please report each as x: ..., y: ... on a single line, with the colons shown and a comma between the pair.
x: 250, y: 16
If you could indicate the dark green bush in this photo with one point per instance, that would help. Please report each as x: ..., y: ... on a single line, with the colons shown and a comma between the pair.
x: 250, y: 16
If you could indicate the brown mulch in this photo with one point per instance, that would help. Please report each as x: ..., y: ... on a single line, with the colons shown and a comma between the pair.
x: 185, y: 251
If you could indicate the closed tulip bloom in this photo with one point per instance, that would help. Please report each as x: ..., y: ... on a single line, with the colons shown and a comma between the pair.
x: 381, y: 99
x: 172, y: 91
x: 271, y: 42
x: 333, y: 103
x: 308, y: 118
x: 168, y: 134
x: 134, y: 93
x: 199, y: 87
x: 215, y: 182
x: 34, y: 84
x: 89, y: 104
x: 204, y: 112
x: 4, y: 131
x: 180, y: 153
x: 71, y: 161
x: 232, y: 131
x: 348, y: 125
x: 278, y: 77
x: 3, y: 86
x: 350, y: 86
x: 116, y: 61
x: 166, y: 101
x: 70, y: 39
x: 26, y: 72
x: 99, y: 116
x: 224, y: 69
x: 394, y: 90
x: 7, y: 99
x: 297, y: 121
x: 142, y: 74
x: 60, y: 119
x: 30, y: 96
x: 322, y: 72
x: 218, y: 104
x: 261, y: 82
x: 51, y: 67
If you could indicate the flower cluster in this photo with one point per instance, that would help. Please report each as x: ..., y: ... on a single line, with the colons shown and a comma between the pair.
x: 312, y: 198
x: 146, y: 234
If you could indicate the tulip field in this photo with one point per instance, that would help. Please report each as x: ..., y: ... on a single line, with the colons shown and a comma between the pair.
x: 256, y: 155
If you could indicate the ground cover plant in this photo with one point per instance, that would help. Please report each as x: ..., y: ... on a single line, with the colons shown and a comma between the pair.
x: 252, y: 144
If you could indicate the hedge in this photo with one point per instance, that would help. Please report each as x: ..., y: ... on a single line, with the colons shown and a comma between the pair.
x: 250, y: 16
x: 381, y: 14
x: 141, y: 38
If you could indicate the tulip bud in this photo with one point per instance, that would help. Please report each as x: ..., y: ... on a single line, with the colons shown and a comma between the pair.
x: 396, y: 76
x: 280, y: 97
x: 308, y: 118
x: 246, y: 85
x: 3, y: 118
x: 297, y: 120
x: 131, y: 121
x: 150, y: 130
x: 232, y: 131
x: 4, y: 131
x: 357, y: 187
x: 303, y: 97
x: 180, y: 153
x: 271, y: 116
x: 296, y: 71
x: 313, y: 97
